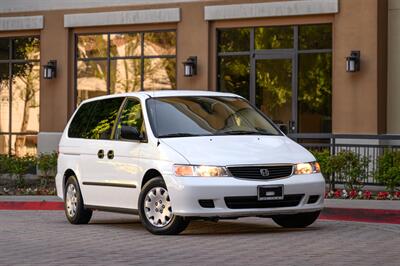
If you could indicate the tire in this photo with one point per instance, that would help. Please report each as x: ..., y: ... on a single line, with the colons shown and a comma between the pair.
x: 299, y: 220
x: 73, y: 203
x: 155, y: 210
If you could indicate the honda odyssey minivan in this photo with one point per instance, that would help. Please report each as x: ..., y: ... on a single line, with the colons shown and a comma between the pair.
x: 175, y: 156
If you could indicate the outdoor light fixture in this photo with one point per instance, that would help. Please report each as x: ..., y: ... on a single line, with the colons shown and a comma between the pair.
x: 50, y: 70
x: 353, y: 62
x: 190, y: 66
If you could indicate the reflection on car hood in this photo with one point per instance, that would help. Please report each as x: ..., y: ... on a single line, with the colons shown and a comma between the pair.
x: 232, y: 150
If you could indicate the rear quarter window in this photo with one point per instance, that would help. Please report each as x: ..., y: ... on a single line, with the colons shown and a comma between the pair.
x: 95, y: 120
x: 80, y: 121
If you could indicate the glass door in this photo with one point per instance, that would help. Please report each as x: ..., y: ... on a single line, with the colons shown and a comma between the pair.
x: 274, y: 89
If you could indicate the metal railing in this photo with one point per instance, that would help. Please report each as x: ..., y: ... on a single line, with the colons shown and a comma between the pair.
x: 370, y: 147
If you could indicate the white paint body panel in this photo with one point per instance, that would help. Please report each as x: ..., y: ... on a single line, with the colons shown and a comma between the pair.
x: 133, y: 159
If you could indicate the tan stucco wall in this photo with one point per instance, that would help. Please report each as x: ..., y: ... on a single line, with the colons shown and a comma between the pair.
x: 355, y: 96
x: 393, y: 97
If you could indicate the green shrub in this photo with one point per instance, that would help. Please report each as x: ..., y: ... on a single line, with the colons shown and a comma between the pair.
x: 351, y: 168
x: 325, y: 160
x: 19, y: 166
x: 388, y: 170
x: 346, y: 166
x: 47, y: 164
x: 4, y: 164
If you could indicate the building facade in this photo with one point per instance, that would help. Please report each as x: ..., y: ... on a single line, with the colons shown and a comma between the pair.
x: 286, y: 57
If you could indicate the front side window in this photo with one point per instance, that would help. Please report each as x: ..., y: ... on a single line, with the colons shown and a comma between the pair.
x: 124, y: 62
x: 131, y: 120
x: 19, y: 95
x: 206, y: 116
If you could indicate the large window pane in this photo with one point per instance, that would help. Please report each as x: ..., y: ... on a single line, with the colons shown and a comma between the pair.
x: 234, y: 40
x: 125, y: 75
x: 4, y: 98
x: 122, y: 45
x: 274, y: 38
x: 234, y: 75
x: 4, y: 49
x: 91, y: 46
x: 25, y: 97
x: 159, y: 73
x: 91, y: 79
x: 315, y: 93
x: 315, y: 37
x: 22, y: 145
x: 26, y: 48
x: 160, y: 43
x: 4, y: 144
x: 274, y: 89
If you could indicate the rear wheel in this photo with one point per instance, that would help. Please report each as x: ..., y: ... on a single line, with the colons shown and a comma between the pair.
x: 155, y: 210
x: 299, y: 220
x: 73, y: 203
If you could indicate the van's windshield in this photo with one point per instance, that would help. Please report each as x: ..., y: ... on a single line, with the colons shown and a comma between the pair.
x: 206, y: 116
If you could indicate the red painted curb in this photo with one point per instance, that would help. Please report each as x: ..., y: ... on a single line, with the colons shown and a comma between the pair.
x: 361, y: 215
x: 31, y: 205
x: 337, y: 214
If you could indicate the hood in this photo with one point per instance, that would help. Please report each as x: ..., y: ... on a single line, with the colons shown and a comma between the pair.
x: 232, y: 150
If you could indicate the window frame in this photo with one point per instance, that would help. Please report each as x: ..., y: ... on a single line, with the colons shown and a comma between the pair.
x: 255, y: 54
x: 110, y: 58
x: 10, y: 62
x: 114, y: 135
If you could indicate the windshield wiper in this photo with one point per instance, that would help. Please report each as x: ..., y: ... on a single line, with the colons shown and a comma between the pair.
x: 245, y: 132
x: 177, y: 135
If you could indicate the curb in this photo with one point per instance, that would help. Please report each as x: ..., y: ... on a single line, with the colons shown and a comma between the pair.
x: 329, y: 213
x: 361, y: 215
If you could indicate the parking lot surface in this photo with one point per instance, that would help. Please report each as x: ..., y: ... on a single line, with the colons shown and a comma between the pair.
x: 45, y: 237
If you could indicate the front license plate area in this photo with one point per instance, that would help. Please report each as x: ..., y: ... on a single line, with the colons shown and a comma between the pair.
x: 273, y: 192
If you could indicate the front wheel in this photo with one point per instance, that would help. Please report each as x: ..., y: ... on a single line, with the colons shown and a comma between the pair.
x: 155, y: 210
x: 299, y: 220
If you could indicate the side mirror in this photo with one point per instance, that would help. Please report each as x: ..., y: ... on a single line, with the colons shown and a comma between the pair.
x: 284, y: 128
x: 130, y: 133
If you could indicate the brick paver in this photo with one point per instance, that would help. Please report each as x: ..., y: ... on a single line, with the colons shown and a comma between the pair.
x: 45, y: 237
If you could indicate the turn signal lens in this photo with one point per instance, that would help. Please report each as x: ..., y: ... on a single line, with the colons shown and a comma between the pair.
x: 307, y: 168
x: 199, y: 170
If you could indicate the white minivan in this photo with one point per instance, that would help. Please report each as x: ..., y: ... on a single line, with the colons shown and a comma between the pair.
x: 175, y: 156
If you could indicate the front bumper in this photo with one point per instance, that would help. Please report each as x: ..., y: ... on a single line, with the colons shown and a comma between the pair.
x: 185, y: 193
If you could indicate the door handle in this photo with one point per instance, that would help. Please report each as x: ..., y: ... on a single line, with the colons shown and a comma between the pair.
x: 110, y: 154
x: 100, y: 154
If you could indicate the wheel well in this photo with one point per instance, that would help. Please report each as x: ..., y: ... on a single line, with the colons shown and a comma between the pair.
x: 150, y: 174
x: 67, y: 174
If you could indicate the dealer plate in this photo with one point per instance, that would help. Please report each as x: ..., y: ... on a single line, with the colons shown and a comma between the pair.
x: 271, y: 192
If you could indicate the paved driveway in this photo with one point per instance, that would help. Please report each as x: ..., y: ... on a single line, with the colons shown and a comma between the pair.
x: 45, y: 237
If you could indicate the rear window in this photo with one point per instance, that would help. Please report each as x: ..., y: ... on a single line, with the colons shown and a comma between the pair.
x: 95, y: 120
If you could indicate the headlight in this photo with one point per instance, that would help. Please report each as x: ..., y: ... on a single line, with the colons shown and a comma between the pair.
x: 307, y: 168
x: 200, y: 170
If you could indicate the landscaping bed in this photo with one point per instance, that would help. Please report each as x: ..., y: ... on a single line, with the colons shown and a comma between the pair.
x: 28, y: 175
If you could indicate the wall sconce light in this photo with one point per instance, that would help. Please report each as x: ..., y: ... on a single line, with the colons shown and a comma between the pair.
x: 353, y: 62
x: 50, y: 70
x: 190, y: 66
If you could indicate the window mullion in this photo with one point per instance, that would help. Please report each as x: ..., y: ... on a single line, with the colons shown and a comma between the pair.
x: 142, y: 61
